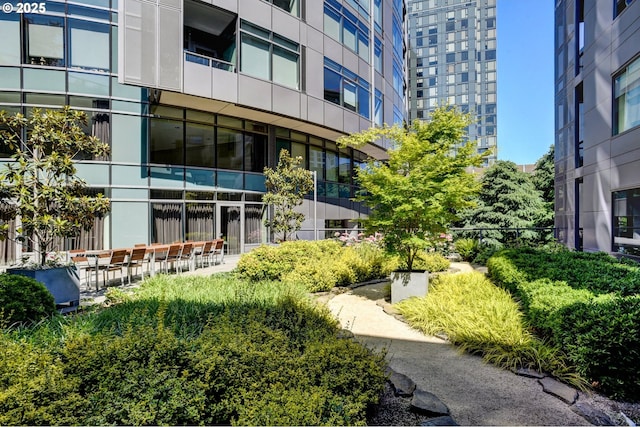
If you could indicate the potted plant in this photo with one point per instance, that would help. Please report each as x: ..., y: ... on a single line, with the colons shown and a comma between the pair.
x: 415, y: 195
x: 40, y: 190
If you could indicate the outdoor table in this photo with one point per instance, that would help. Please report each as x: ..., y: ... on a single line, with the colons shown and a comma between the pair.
x: 95, y: 254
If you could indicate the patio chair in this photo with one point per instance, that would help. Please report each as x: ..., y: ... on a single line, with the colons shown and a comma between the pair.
x: 81, y: 263
x: 186, y: 256
x: 218, y: 249
x: 137, y: 260
x: 205, y: 253
x: 173, y: 255
x: 117, y: 262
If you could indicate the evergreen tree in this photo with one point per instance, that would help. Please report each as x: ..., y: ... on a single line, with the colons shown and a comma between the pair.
x: 544, y: 180
x: 508, y: 204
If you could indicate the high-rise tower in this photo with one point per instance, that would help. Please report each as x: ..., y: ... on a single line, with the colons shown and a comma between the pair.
x: 453, y: 61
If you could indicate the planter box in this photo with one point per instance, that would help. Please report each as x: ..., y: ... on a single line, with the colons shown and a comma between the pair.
x: 63, y: 283
x: 407, y: 284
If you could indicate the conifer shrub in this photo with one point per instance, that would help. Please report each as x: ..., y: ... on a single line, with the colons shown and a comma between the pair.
x: 23, y: 299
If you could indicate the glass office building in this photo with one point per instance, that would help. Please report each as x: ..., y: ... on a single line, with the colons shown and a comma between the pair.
x: 196, y: 97
x: 597, y: 103
x: 453, y: 61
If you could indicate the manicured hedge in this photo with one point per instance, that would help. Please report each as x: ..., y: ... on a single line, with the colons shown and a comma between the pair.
x: 587, y: 304
x: 190, y: 351
x: 318, y: 265
x: 23, y: 300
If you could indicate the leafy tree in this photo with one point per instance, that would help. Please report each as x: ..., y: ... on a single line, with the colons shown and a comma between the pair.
x: 508, y: 200
x: 414, y: 196
x: 40, y: 186
x: 286, y: 187
x: 543, y: 179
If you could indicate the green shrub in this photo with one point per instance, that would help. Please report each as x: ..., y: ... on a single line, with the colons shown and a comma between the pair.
x: 313, y: 263
x: 593, y: 320
x: 23, y: 299
x: 432, y: 262
x: 483, y: 319
x: 603, y: 337
x: 190, y: 351
x: 466, y: 248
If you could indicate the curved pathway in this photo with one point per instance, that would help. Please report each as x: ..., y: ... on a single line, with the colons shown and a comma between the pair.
x: 475, y: 392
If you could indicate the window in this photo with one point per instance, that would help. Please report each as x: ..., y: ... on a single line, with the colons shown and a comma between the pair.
x: 44, y: 42
x: 10, y: 36
x: 346, y: 88
x: 579, y: 126
x: 626, y: 106
x: 378, y: 108
x: 398, y: 79
x: 268, y: 56
x: 377, y: 52
x: 626, y: 221
x: 343, y: 26
x: 88, y: 45
x: 620, y: 5
x: 291, y: 6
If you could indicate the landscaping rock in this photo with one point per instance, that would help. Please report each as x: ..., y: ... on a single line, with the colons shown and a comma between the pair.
x: 428, y: 403
x: 345, y: 334
x: 439, y: 421
x: 529, y: 373
x: 592, y: 414
x: 402, y: 384
x: 559, y: 390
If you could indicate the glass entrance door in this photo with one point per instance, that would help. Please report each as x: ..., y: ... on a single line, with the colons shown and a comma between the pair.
x: 230, y: 226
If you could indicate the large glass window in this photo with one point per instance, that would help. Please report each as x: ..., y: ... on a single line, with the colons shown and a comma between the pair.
x: 268, y: 56
x: 346, y: 88
x: 255, y: 152
x: 166, y: 142
x: 345, y: 27
x: 230, y: 152
x: 10, y: 36
x: 44, y: 40
x: 626, y: 221
x: 199, y: 145
x: 626, y: 106
x: 378, y: 109
x: 200, y: 223
x: 88, y: 45
x: 166, y: 222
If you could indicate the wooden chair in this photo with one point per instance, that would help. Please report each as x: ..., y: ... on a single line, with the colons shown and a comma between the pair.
x: 173, y: 255
x: 117, y: 262
x: 218, y: 249
x: 136, y: 260
x: 205, y: 252
x: 97, y: 263
x: 81, y: 263
x: 186, y: 254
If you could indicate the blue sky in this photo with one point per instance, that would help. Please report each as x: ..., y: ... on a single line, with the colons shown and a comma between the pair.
x: 525, y: 33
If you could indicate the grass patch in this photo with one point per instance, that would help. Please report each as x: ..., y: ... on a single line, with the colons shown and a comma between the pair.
x: 483, y: 319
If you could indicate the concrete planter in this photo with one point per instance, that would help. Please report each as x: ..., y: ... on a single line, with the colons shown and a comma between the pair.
x: 406, y: 284
x: 62, y: 282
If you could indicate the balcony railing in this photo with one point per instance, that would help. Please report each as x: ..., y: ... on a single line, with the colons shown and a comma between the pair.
x: 209, y: 62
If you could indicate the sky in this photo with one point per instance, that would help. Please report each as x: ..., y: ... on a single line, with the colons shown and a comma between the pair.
x: 525, y: 31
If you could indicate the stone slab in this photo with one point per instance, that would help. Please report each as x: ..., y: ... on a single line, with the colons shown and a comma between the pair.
x: 428, y: 403
x: 594, y: 415
x: 529, y: 373
x: 559, y: 390
x: 439, y: 421
x: 402, y: 385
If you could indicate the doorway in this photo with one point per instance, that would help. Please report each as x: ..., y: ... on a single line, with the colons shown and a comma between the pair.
x: 230, y: 224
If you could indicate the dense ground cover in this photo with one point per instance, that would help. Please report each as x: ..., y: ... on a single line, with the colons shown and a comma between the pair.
x: 190, y: 350
x: 586, y: 304
x: 483, y: 319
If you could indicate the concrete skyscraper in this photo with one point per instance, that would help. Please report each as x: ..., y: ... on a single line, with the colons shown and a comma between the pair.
x: 453, y: 61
